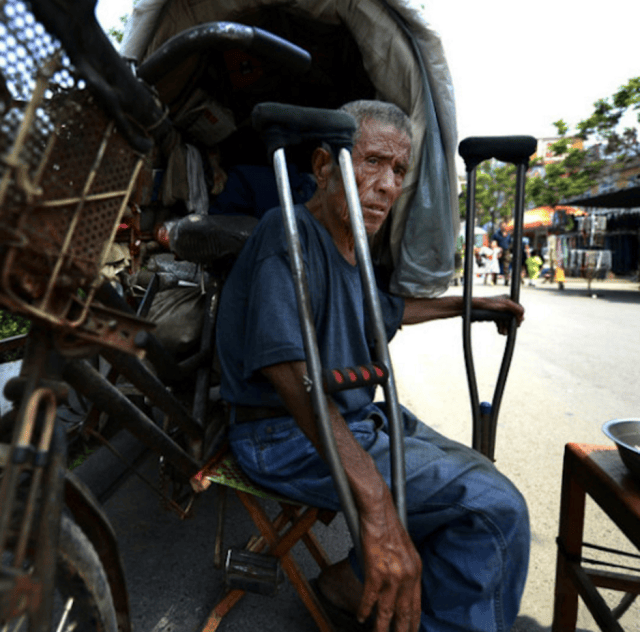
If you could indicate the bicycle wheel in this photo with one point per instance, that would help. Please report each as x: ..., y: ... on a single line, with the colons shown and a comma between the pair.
x: 83, y: 601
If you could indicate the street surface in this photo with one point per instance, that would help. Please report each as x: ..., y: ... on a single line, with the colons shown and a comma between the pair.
x: 575, y: 366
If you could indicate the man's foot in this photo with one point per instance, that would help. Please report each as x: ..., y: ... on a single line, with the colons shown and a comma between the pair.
x: 340, y: 586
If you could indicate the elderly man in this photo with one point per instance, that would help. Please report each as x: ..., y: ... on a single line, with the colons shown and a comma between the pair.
x: 462, y: 563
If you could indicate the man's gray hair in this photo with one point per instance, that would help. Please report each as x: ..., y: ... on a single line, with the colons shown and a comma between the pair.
x: 381, y: 111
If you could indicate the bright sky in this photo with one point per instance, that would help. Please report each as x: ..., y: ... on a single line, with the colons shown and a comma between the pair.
x: 516, y: 66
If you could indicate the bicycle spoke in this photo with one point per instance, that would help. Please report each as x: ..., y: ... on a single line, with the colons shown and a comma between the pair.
x: 18, y: 624
x: 67, y: 608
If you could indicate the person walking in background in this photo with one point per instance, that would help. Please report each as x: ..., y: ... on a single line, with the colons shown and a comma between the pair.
x: 503, y: 238
x: 533, y: 262
x: 491, y: 257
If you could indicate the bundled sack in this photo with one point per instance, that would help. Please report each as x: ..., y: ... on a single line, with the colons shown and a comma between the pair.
x: 179, y: 314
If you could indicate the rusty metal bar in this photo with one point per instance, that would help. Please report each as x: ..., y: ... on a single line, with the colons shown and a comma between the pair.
x: 41, y: 396
x: 87, y: 381
x: 32, y: 369
x: 76, y: 216
x: 153, y: 388
x: 109, y: 446
x: 95, y: 197
x: 12, y: 160
x: 49, y: 529
x: 203, y: 375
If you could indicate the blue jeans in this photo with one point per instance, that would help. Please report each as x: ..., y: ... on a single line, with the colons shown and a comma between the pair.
x: 468, y: 522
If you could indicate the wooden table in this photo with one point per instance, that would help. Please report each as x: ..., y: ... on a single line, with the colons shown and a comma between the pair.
x: 599, y: 472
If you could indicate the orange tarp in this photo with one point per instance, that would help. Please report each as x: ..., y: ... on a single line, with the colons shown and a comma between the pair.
x: 543, y: 216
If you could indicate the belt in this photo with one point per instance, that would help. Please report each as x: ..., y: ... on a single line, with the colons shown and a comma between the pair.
x: 244, y: 414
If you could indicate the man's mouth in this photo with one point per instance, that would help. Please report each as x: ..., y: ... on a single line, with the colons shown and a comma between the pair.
x: 376, y: 210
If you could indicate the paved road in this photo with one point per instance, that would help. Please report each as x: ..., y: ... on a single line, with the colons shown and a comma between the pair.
x: 575, y: 366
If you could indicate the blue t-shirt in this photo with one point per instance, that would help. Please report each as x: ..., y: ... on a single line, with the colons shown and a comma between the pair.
x: 258, y: 322
x: 252, y: 190
x: 504, y: 241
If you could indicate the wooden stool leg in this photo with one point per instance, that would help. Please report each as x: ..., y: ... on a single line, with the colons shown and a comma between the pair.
x: 289, y: 565
x: 572, y: 503
x: 309, y: 539
x: 221, y: 609
x: 317, y: 552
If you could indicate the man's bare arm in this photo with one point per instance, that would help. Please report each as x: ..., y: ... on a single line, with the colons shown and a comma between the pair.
x: 392, y: 565
x: 420, y: 310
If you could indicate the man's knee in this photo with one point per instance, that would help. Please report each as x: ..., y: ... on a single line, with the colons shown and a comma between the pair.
x: 508, y: 508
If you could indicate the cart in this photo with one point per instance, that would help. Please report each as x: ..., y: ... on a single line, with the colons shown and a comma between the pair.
x: 103, y: 158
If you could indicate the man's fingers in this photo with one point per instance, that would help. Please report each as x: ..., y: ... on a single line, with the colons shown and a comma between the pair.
x: 417, y: 608
x: 383, y: 619
x: 403, y: 618
x: 400, y: 612
x: 368, y: 601
x: 397, y: 609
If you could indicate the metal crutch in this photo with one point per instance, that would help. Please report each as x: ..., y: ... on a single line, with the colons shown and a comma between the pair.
x: 516, y: 150
x: 281, y: 126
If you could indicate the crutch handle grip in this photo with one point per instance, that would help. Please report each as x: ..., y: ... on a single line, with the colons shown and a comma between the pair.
x: 514, y: 149
x: 355, y: 377
x: 478, y: 315
x: 281, y: 125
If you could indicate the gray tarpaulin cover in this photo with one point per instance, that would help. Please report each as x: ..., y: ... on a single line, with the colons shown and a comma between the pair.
x: 404, y: 59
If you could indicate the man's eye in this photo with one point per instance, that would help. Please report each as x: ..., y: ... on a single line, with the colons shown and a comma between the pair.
x: 372, y: 160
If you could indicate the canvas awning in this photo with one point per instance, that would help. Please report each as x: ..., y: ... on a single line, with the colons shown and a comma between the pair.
x: 621, y: 198
x: 542, y: 217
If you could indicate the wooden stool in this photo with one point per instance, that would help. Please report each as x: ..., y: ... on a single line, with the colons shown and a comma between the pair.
x: 599, y: 472
x: 276, y: 535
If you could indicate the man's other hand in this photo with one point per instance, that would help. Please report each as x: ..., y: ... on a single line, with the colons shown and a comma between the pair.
x: 501, y: 304
x: 393, y: 571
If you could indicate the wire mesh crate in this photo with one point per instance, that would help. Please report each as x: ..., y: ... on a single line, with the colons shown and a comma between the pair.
x: 66, y: 177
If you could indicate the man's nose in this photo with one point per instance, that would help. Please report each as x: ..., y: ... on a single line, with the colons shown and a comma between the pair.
x: 386, y: 179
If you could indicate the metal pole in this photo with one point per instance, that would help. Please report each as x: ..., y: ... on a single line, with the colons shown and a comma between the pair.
x: 87, y: 381
x: 466, y: 328
x: 314, y: 366
x: 518, y: 223
x: 396, y: 434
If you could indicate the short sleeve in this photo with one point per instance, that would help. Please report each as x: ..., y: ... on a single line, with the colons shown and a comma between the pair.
x: 273, y: 332
x: 392, y: 308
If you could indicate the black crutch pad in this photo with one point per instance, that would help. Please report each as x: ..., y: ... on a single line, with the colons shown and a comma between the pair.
x: 354, y: 377
x: 281, y: 125
x: 514, y: 149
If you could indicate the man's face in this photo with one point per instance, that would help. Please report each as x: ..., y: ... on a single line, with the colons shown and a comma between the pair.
x: 380, y: 162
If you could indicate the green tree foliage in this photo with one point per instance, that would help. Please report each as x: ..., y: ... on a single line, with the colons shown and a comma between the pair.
x: 495, y: 192
x: 606, y: 123
x: 570, y: 177
x: 118, y: 34
x: 12, y: 325
x: 555, y: 182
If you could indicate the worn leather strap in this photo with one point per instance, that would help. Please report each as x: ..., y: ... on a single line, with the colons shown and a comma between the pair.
x: 245, y: 414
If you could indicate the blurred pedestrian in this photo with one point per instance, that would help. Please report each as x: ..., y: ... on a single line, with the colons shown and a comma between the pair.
x: 491, y: 255
x: 503, y: 238
x: 533, y: 264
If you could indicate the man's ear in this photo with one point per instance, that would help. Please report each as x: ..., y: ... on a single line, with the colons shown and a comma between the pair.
x: 322, y: 165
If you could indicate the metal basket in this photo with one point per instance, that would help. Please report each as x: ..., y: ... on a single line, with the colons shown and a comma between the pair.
x: 66, y: 177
